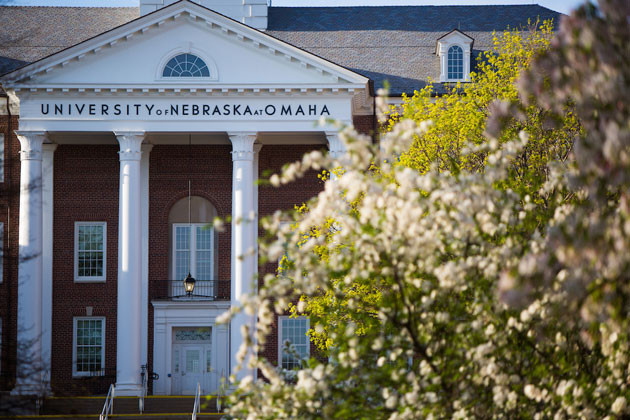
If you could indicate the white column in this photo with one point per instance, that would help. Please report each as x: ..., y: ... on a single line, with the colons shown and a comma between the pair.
x: 336, y: 148
x: 257, y: 148
x: 243, y: 258
x: 144, y: 170
x: 467, y: 63
x: 442, y: 53
x: 47, y: 254
x: 29, y: 322
x: 129, y: 316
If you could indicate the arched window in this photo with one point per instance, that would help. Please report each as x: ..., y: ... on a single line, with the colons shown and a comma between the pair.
x: 193, y: 246
x: 455, y: 63
x: 186, y: 65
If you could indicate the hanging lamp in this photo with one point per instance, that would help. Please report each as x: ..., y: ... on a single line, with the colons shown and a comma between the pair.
x: 189, y: 281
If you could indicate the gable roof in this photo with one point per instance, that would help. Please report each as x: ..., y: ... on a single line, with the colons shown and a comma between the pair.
x: 394, y: 43
x: 194, y: 14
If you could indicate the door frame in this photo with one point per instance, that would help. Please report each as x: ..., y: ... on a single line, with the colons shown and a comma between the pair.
x: 172, y: 314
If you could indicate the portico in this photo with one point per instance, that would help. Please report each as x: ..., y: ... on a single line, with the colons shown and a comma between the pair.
x: 259, y: 93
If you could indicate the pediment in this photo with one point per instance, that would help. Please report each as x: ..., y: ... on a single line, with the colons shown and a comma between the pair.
x: 133, y: 56
x: 454, y: 37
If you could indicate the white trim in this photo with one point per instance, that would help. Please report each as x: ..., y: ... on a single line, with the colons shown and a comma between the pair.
x: 281, y: 339
x: 86, y: 279
x: 74, y: 345
x: 459, y: 39
x: 48, y: 155
x: 144, y: 188
x: 448, y: 69
x: 166, y: 316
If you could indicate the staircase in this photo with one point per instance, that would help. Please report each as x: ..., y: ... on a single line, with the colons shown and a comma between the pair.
x: 125, y: 408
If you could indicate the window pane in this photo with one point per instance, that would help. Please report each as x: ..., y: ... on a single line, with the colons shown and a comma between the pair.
x: 91, y: 246
x: 185, y: 65
x: 293, y: 330
x: 89, y: 345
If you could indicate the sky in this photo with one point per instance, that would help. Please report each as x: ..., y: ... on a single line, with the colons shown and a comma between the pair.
x: 563, y: 6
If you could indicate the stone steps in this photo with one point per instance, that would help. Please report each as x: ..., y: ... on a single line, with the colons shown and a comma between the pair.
x: 125, y: 408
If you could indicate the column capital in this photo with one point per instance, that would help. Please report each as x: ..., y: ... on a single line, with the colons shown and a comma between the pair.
x: 336, y: 148
x: 242, y: 145
x: 130, y: 144
x: 146, y: 148
x: 31, y: 144
x: 49, y: 147
x: 257, y: 147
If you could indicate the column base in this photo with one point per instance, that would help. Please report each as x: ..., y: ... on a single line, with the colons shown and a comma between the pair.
x: 30, y: 388
x: 128, y: 390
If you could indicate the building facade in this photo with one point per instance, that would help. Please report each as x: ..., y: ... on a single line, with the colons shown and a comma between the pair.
x: 133, y: 129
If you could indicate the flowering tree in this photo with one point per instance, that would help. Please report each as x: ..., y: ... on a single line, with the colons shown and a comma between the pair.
x: 483, y: 312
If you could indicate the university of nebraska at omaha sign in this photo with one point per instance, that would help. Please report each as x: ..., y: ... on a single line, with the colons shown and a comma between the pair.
x: 174, y: 109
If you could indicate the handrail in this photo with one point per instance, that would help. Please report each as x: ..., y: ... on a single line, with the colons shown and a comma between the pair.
x: 143, y: 375
x: 108, y: 408
x: 204, y: 289
x: 196, y: 406
x: 221, y: 388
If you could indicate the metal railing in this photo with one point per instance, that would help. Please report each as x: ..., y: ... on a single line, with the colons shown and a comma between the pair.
x: 204, y: 289
x: 108, y: 407
x: 143, y: 393
x: 197, y: 405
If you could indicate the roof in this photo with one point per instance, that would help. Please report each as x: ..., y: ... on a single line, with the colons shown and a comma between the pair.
x: 393, y: 43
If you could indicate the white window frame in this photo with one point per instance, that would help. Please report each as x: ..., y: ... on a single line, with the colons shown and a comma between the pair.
x: 89, y: 279
x: 281, y: 339
x: 74, y: 345
x: 444, y: 44
x: 192, y: 249
x: 448, y: 67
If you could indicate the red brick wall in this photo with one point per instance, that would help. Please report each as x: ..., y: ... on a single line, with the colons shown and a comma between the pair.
x: 85, y: 189
x: 286, y: 197
x: 210, y: 170
x: 9, y: 204
x: 364, y: 124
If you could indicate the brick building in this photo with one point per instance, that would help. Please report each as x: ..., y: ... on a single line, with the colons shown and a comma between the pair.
x: 125, y: 131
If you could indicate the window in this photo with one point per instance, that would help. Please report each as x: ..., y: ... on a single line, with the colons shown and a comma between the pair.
x: 455, y: 63
x: 294, y: 331
x: 186, y: 65
x: 88, y: 347
x: 193, y: 251
x: 454, y: 50
x: 90, y: 251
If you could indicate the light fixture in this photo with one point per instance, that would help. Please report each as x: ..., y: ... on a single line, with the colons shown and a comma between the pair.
x: 189, y: 284
x: 189, y: 281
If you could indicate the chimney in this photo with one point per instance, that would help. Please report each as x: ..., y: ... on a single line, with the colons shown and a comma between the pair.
x: 250, y: 12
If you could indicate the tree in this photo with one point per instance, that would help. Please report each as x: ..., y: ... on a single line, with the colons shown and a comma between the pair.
x: 459, y: 120
x: 483, y: 312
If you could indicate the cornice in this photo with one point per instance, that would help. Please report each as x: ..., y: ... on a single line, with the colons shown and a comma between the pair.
x: 152, y: 90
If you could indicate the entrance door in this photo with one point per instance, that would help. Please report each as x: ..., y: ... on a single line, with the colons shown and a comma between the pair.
x: 192, y: 371
x: 192, y: 360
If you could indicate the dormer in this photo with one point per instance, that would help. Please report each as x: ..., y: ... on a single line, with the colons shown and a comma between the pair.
x: 454, y: 50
